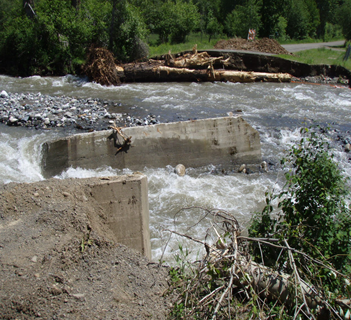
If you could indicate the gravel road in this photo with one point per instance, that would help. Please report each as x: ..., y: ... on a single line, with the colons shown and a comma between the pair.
x: 308, y: 46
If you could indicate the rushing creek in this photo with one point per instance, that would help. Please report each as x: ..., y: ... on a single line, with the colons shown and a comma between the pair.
x: 277, y: 111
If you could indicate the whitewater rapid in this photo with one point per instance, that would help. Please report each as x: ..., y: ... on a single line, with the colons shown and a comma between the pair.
x: 277, y: 111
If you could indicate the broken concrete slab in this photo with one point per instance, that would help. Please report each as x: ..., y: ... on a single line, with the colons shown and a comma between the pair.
x: 226, y: 142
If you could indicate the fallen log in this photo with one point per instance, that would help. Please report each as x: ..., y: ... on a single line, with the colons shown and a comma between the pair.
x: 248, y: 76
x: 198, y: 67
x: 195, y: 61
x: 151, y: 73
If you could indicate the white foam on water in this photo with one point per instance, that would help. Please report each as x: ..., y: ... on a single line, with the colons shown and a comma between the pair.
x: 20, y: 159
x: 87, y: 173
x: 238, y: 194
x: 278, y: 110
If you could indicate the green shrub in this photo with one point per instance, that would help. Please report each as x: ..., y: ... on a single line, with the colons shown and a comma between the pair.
x: 313, y: 216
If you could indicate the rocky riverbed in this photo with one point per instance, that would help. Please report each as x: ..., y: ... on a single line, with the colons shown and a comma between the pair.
x: 44, y: 112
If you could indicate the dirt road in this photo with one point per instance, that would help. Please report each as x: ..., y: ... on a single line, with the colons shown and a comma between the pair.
x: 308, y: 46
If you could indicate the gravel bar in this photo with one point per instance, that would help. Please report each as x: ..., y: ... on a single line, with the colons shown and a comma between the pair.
x: 41, y: 111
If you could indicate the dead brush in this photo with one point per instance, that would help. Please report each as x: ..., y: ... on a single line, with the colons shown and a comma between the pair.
x: 227, y: 284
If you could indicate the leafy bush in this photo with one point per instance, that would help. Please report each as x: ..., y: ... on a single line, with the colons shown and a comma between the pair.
x: 57, y: 36
x: 313, y: 216
x: 176, y: 20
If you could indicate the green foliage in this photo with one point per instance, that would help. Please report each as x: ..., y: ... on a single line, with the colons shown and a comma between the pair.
x: 57, y: 39
x: 192, y: 38
x: 180, y: 275
x: 176, y: 20
x: 327, y: 10
x: 243, y: 18
x: 343, y: 15
x: 313, y: 216
x: 213, y: 27
x: 281, y: 28
x: 333, y: 31
x: 298, y: 20
x: 270, y: 11
x: 320, y: 56
x: 128, y: 32
x: 58, y: 35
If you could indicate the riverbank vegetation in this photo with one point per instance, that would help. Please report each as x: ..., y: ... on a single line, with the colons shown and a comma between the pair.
x: 53, y: 36
x: 321, y: 56
x: 295, y: 261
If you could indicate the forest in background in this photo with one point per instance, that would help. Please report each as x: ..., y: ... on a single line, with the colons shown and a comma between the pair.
x: 53, y: 36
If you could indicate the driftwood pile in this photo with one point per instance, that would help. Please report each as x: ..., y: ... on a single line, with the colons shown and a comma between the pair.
x: 189, y: 67
x: 227, y: 284
x: 101, y: 67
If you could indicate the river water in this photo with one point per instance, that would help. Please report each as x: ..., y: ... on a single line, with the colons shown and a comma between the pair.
x: 276, y: 110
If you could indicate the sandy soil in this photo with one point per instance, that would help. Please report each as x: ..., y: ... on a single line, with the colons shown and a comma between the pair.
x: 57, y: 264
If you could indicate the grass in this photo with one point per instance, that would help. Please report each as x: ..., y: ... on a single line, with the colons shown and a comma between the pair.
x: 320, y: 56
x: 202, y: 42
x: 314, y: 56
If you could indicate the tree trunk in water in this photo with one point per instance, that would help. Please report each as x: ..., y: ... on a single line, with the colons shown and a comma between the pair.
x: 140, y: 72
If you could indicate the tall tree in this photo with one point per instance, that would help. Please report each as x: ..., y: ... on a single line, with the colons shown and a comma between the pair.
x: 210, y: 15
x: 270, y: 12
x: 31, y: 2
x: 176, y: 20
x: 298, y: 20
x: 326, y: 12
x: 243, y: 18
x: 343, y: 15
x: 75, y: 3
x: 28, y: 6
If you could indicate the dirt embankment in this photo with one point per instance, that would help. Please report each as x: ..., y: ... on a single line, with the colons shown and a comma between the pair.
x: 260, y: 45
x: 57, y: 264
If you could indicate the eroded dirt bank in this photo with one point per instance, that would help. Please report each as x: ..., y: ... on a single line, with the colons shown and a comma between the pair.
x: 58, y: 262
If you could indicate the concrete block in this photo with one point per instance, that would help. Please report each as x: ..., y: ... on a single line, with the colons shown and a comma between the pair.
x: 124, y: 202
x: 58, y: 212
x: 228, y: 142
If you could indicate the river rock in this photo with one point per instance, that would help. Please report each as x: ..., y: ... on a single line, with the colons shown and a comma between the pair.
x: 348, y: 147
x: 12, y: 120
x: 180, y: 170
x: 242, y: 168
x: 264, y: 166
x: 4, y: 94
x: 45, y: 112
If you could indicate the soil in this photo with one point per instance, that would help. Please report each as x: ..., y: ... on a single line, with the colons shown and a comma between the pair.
x: 57, y: 264
x: 261, y: 45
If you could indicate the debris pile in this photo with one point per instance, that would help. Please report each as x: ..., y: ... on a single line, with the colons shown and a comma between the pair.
x: 101, y: 68
x: 261, y: 45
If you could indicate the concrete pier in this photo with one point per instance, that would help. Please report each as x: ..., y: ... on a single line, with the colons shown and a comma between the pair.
x: 125, y: 206
x: 54, y: 213
x: 227, y: 142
